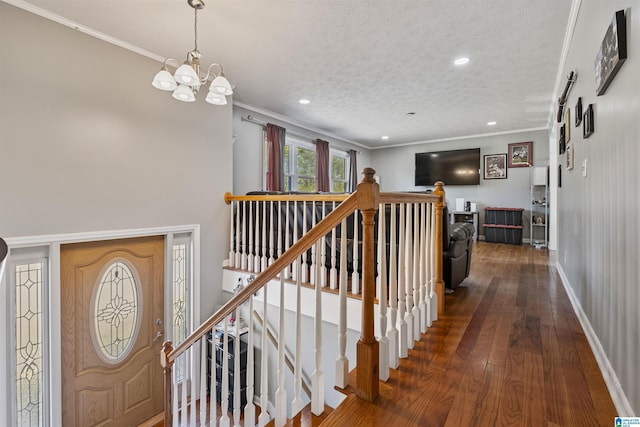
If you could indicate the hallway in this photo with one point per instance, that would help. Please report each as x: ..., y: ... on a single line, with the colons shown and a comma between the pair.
x: 509, y: 350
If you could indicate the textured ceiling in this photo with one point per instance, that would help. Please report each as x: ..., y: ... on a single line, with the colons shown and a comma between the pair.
x: 363, y: 64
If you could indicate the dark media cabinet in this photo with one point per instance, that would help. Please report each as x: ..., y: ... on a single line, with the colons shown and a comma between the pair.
x: 216, y: 344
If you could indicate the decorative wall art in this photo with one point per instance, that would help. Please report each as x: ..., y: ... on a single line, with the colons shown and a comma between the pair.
x: 578, y: 112
x: 562, y: 143
x: 569, y: 156
x: 588, y: 125
x: 571, y: 79
x: 559, y: 176
x: 612, y: 53
x: 495, y: 166
x: 521, y: 154
x: 567, y: 122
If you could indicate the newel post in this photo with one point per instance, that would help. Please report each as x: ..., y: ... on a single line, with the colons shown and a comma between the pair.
x: 439, y: 191
x: 167, y: 365
x: 367, y: 349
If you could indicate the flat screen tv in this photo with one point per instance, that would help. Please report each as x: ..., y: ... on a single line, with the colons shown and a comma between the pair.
x: 454, y: 167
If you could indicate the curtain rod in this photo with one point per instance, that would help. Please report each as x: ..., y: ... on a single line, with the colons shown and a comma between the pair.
x: 255, y: 121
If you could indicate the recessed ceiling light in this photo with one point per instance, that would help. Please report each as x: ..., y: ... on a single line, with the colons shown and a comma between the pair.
x: 491, y: 123
x: 304, y: 101
x: 461, y: 61
x: 385, y: 137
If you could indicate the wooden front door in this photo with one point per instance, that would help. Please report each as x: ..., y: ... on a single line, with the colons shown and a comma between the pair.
x: 112, y: 323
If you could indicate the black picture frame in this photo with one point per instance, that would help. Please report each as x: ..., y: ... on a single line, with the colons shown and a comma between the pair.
x: 578, y: 112
x: 588, y: 126
x: 612, y: 53
x: 562, y: 142
x: 559, y: 176
x: 495, y: 166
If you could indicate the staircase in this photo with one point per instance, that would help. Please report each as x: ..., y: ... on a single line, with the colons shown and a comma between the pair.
x: 333, y: 251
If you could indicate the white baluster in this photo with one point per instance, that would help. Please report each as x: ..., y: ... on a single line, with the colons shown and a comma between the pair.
x: 286, y: 237
x: 423, y: 268
x: 213, y: 381
x: 323, y: 253
x: 342, y: 363
x: 317, y: 379
x: 193, y: 376
x: 434, y: 295
x: 314, y: 248
x: 174, y: 399
x: 355, y: 275
x: 280, y: 232
x: 427, y: 257
x: 244, y: 248
x: 232, y: 254
x: 305, y: 268
x: 264, y: 417
x: 264, y: 261
x: 333, y: 273
x: 392, y: 333
x: 236, y: 262
x: 272, y: 248
x: 383, y: 343
x: 203, y: 381
x: 281, y: 393
x: 250, y: 408
x: 402, y: 324
x: 294, y: 266
x: 252, y: 248
x: 416, y: 272
x: 297, y: 404
x: 237, y: 346
x: 408, y: 268
x: 224, y: 397
x: 185, y: 403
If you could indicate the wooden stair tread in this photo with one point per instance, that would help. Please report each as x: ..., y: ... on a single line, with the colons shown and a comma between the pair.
x: 156, y: 421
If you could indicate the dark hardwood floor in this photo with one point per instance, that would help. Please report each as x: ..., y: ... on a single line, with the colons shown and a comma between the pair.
x: 508, y: 350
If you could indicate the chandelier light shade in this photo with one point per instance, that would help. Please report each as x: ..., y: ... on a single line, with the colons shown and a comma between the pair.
x: 186, y: 81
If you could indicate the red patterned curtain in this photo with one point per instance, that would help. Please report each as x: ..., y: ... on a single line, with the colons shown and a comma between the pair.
x: 323, y: 168
x: 275, y: 157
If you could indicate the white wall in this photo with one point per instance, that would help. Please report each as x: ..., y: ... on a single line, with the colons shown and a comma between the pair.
x: 247, y: 148
x: 598, y: 231
x: 396, y: 168
x: 87, y: 144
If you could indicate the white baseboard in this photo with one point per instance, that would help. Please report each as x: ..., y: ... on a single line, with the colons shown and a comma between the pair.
x: 622, y: 404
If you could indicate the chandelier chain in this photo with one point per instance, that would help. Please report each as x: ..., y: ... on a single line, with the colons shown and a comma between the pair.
x: 195, y: 29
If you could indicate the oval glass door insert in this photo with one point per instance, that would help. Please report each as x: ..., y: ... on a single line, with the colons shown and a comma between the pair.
x: 116, y: 309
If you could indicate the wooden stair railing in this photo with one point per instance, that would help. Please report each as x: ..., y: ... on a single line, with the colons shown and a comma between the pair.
x: 421, y: 287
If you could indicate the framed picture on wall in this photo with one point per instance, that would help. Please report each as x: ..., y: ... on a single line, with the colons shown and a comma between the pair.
x: 567, y: 122
x: 612, y: 53
x: 570, y: 156
x: 578, y: 112
x: 495, y: 166
x: 521, y: 154
x: 588, y: 125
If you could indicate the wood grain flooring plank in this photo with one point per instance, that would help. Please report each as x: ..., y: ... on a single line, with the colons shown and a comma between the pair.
x: 534, y: 409
x: 555, y: 391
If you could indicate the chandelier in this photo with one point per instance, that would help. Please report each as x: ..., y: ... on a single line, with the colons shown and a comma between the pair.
x: 186, y: 81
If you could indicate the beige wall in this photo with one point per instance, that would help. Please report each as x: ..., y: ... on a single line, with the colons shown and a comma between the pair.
x: 87, y: 144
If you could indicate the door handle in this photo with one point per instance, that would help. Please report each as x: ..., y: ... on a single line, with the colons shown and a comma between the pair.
x: 158, y: 336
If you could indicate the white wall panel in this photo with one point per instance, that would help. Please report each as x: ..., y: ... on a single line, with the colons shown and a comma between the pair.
x: 598, y: 231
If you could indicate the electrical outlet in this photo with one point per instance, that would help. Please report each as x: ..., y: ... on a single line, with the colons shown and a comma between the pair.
x: 584, y: 168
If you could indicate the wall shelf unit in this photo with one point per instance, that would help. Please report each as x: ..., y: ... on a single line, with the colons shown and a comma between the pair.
x: 539, y: 206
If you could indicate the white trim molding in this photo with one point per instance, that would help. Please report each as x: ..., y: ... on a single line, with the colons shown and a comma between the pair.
x: 620, y: 400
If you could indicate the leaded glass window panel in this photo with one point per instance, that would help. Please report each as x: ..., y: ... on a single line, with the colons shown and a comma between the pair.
x: 179, y: 315
x: 29, y: 344
x: 116, y: 312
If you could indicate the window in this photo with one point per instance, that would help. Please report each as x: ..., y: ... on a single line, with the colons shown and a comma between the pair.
x: 300, y: 167
x: 338, y: 171
x: 28, y: 277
